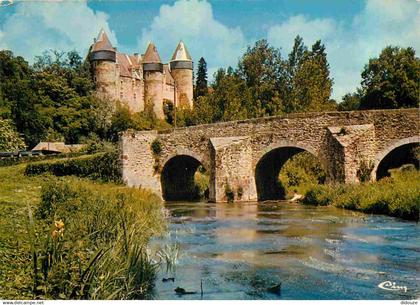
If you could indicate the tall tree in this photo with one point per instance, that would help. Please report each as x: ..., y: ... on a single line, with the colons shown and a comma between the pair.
x: 201, y: 88
x: 291, y: 67
x: 391, y: 80
x: 260, y: 67
x: 312, y: 85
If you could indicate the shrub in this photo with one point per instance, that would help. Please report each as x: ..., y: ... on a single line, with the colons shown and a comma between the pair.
x: 156, y: 147
x: 365, y: 170
x: 319, y: 195
x: 230, y: 195
x: 102, y: 166
x: 201, y: 180
x: 300, y: 173
x: 398, y: 195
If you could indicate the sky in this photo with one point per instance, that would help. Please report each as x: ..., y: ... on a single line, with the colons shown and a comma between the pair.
x: 219, y: 30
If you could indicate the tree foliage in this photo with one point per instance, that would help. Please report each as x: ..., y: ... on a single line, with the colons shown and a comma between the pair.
x: 201, y: 82
x: 9, y: 138
x: 350, y: 101
x: 391, y: 80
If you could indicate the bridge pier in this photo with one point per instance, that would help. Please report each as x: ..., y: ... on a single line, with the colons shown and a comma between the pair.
x: 140, y: 167
x: 231, y: 174
x: 351, y: 152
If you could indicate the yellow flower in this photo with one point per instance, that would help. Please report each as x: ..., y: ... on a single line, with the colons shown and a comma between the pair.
x: 59, y: 224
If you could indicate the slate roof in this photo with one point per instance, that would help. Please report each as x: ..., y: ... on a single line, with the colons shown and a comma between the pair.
x: 151, y: 55
x: 102, y: 43
x: 181, y: 53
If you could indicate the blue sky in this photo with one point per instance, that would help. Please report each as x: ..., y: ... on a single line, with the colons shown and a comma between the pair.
x: 219, y: 30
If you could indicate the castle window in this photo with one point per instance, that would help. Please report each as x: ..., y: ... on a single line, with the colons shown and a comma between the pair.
x: 121, y: 95
x: 134, y: 96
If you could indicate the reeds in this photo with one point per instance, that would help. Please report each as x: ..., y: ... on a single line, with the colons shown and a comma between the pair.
x: 91, y: 241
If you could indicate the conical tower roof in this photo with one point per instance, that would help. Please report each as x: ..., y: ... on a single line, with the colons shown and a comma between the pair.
x: 181, y: 53
x: 102, y: 43
x: 151, y: 55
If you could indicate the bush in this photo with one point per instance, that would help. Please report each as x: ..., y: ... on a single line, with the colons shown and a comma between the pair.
x: 9, y: 161
x: 229, y: 193
x: 300, y: 173
x: 102, y: 166
x: 156, y: 147
x: 93, y: 241
x: 397, y: 196
x: 201, y: 180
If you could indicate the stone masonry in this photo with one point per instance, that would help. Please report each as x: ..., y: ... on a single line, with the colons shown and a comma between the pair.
x: 232, y: 152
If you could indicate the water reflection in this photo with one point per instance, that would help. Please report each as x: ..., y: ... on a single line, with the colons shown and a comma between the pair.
x: 240, y: 250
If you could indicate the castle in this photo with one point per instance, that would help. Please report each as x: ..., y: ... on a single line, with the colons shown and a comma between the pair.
x: 136, y: 79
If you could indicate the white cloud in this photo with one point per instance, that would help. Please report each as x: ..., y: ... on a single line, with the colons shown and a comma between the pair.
x: 61, y: 25
x: 194, y: 23
x: 309, y: 29
x: 349, y: 47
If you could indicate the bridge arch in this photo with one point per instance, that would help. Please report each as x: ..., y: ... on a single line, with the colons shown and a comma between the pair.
x: 177, y: 176
x: 394, y: 156
x: 268, y: 166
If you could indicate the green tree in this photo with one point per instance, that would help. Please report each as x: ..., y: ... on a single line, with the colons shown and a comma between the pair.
x: 201, y: 82
x: 291, y: 67
x: 121, y: 120
x: 311, y: 83
x: 261, y: 70
x: 391, y: 80
x: 12, y: 71
x: 9, y: 138
x: 350, y: 101
x: 26, y: 114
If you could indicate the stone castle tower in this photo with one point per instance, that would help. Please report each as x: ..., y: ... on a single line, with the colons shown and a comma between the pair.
x: 136, y: 80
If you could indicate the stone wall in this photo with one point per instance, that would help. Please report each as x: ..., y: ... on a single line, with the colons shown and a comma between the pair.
x: 139, y: 164
x: 131, y: 93
x: 367, y: 134
x: 232, y: 170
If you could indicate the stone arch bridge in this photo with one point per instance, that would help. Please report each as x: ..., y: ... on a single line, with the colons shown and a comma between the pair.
x: 246, y: 156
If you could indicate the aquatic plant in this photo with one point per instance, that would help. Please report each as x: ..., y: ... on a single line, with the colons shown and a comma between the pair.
x: 169, y: 254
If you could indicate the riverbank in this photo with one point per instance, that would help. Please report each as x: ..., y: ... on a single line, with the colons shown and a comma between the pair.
x: 398, y: 195
x: 74, y: 238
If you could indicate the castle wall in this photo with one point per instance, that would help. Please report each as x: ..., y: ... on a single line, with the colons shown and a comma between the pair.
x: 105, y: 79
x: 131, y: 93
x: 168, y: 92
x: 153, y: 91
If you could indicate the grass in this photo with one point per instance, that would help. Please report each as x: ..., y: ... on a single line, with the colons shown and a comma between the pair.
x: 84, y: 240
x: 398, y: 195
x: 17, y: 193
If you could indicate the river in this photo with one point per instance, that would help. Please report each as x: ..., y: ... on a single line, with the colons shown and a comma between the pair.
x: 238, y: 251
